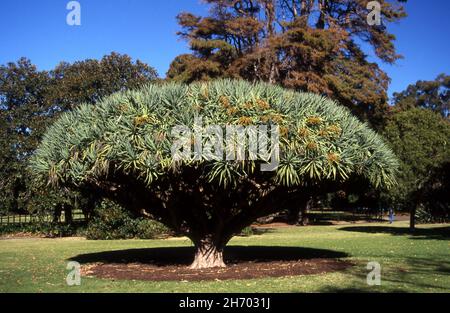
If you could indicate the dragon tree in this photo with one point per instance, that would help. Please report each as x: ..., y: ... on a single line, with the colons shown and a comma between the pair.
x: 122, y: 149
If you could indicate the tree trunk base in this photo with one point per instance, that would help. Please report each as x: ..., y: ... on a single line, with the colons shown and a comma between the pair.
x: 207, y: 256
x: 304, y: 221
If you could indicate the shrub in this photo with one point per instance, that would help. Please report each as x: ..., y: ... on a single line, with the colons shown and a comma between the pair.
x: 46, y: 229
x: 111, y: 221
x: 247, y: 231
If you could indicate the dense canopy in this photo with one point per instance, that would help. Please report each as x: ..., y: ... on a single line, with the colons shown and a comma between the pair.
x: 130, y: 132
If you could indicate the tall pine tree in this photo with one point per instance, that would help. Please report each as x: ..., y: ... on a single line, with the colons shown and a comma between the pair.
x: 308, y: 45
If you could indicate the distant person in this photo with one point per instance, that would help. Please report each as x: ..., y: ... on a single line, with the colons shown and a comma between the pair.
x: 391, y: 216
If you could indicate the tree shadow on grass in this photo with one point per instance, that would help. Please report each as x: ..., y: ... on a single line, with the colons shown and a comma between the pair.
x: 402, y: 278
x: 185, y: 255
x: 439, y: 233
x: 374, y: 289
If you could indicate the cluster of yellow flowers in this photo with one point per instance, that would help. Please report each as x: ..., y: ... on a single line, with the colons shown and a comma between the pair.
x: 245, y: 120
x: 333, y: 157
x: 142, y: 120
x: 314, y: 120
x: 312, y: 145
x: 231, y: 110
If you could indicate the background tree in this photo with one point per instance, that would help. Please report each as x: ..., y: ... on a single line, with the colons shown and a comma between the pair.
x: 306, y: 45
x: 31, y: 99
x: 421, y: 140
x: 436, y: 199
x: 122, y: 149
x: 90, y: 80
x: 433, y: 95
x: 22, y: 95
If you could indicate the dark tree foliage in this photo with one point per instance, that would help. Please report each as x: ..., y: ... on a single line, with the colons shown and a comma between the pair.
x: 301, y: 44
x: 433, y: 95
x: 436, y: 194
x: 90, y: 80
x: 421, y: 140
x: 22, y: 97
x: 29, y: 102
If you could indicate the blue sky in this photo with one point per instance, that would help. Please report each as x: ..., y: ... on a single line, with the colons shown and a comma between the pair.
x: 146, y: 30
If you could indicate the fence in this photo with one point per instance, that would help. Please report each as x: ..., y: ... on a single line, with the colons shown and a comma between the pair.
x: 77, y: 215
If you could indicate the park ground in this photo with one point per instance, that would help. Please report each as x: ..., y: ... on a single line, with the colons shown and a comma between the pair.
x: 409, y: 263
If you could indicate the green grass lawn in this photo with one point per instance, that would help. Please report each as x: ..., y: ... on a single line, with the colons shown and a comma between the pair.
x: 419, y: 263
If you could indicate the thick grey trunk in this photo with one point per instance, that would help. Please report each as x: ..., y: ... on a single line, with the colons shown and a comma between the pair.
x: 207, y: 255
